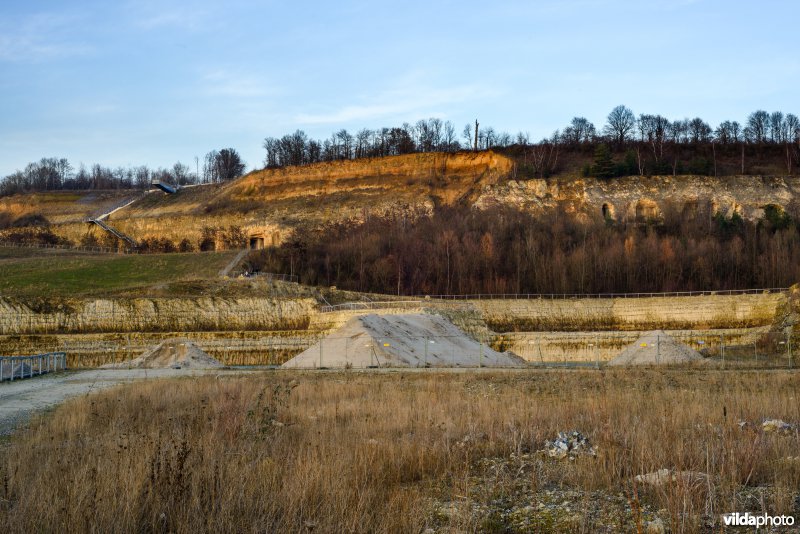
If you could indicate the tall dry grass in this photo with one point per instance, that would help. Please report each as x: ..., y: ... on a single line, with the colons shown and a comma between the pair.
x: 349, y: 452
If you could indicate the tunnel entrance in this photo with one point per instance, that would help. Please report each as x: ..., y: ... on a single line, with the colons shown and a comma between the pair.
x: 256, y: 242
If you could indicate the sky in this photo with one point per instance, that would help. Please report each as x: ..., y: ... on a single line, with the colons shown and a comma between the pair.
x: 154, y: 82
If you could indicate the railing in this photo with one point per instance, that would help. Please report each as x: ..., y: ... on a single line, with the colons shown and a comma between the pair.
x: 564, y: 296
x: 371, y: 305
x: 127, y: 201
x: 16, y: 367
x: 115, y: 233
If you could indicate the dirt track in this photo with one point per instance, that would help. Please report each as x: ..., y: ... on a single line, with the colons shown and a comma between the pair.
x: 21, y: 398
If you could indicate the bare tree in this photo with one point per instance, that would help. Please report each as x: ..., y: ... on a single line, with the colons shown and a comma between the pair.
x: 653, y: 130
x: 757, y: 127
x: 620, y: 125
x: 699, y: 130
x: 580, y: 130
x: 776, y: 127
x: 229, y: 164
x: 449, y: 139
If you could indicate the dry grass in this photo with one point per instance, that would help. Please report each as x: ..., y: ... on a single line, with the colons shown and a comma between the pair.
x: 351, y: 452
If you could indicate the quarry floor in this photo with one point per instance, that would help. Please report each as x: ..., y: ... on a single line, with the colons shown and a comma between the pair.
x: 19, y: 399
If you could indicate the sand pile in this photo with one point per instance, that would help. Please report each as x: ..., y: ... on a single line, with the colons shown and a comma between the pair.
x: 404, y: 340
x: 172, y: 353
x: 656, y: 348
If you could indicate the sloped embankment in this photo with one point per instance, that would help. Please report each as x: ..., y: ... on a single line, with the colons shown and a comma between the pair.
x: 272, y: 201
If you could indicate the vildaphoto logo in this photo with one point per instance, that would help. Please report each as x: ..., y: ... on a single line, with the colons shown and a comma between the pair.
x: 756, y: 520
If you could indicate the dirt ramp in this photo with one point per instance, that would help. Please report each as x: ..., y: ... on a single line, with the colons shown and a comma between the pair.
x: 656, y: 348
x: 403, y: 340
x: 172, y: 353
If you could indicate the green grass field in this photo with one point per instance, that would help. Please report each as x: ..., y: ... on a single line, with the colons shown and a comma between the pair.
x: 30, y: 272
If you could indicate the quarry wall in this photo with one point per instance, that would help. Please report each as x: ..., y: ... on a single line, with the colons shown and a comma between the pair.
x: 636, y: 198
x: 272, y: 202
x: 155, y: 315
x: 257, y: 331
x: 602, y: 346
x: 645, y: 313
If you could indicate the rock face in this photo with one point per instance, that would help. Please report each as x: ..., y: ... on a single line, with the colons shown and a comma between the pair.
x: 271, y: 202
x: 404, y: 340
x: 636, y: 198
x: 159, y: 315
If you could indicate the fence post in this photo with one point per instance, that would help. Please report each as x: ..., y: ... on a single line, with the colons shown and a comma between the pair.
x: 789, y: 346
x: 1, y: 368
x: 480, y: 356
x: 722, y: 348
x: 597, y: 351
x: 658, y: 348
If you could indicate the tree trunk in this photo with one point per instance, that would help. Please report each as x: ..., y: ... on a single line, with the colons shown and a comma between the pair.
x: 742, y: 158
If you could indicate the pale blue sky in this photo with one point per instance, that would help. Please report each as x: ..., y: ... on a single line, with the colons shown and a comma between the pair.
x: 155, y: 82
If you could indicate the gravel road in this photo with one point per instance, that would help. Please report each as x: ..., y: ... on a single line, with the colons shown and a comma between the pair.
x: 21, y: 398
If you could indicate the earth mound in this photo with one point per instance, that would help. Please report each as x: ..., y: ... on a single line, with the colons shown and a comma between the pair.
x: 172, y: 353
x: 656, y: 348
x: 403, y: 340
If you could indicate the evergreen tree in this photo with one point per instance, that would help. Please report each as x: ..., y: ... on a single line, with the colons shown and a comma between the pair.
x: 603, y: 164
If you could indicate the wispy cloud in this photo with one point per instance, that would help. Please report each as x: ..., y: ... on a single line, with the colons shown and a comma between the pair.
x: 232, y: 84
x: 406, y: 100
x: 41, y: 37
x: 155, y: 15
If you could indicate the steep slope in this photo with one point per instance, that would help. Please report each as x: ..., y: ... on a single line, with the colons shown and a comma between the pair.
x: 269, y: 203
x: 272, y: 201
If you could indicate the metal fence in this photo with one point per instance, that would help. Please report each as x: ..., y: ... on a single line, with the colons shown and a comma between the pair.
x: 563, y: 296
x: 16, y: 367
x: 98, y: 250
x: 248, y: 351
x: 371, y: 305
x: 704, y: 349
x: 755, y: 348
x: 726, y: 348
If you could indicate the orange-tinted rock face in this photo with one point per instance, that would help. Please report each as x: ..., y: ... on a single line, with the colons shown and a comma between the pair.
x: 272, y: 202
x: 447, y: 177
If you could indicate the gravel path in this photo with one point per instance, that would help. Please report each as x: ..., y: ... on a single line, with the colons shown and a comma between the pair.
x: 21, y: 398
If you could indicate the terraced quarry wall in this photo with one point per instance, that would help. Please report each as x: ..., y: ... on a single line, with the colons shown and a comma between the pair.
x: 155, y: 315
x: 602, y: 346
x: 647, y: 313
x: 249, y: 331
x: 229, y: 347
